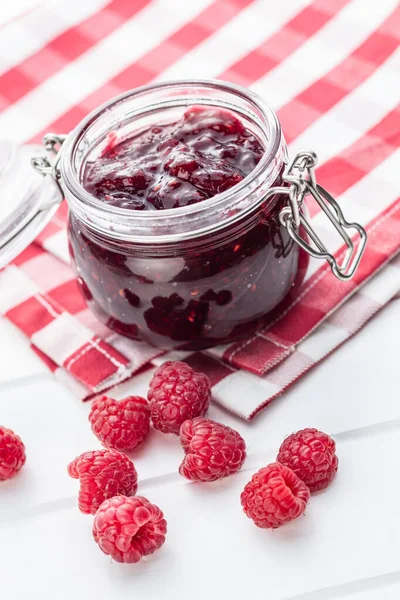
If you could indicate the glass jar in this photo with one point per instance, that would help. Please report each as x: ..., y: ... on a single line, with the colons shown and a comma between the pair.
x: 201, y: 274
x: 192, y: 276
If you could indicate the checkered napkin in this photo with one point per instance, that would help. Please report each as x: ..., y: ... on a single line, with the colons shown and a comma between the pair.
x: 330, y: 68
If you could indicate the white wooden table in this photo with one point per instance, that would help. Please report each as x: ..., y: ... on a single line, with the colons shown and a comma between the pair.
x: 347, y: 545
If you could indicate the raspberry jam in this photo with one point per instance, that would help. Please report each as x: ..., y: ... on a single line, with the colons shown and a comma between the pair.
x: 168, y: 166
x: 174, y: 230
x: 204, y: 296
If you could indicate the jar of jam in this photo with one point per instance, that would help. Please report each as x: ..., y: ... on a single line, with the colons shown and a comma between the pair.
x: 187, y: 222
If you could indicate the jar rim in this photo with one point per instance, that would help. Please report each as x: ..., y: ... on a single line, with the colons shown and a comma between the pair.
x: 98, y: 213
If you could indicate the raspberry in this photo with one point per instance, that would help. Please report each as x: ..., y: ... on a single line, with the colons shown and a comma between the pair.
x: 123, y: 424
x: 103, y: 474
x: 274, y: 496
x: 177, y: 393
x: 213, y: 450
x: 311, y: 455
x: 12, y: 453
x: 129, y: 528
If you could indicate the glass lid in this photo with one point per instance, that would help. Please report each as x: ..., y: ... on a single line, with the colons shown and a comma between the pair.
x: 27, y: 200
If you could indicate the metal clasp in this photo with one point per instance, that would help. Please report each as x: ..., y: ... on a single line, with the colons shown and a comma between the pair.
x: 300, y: 173
x: 52, y: 143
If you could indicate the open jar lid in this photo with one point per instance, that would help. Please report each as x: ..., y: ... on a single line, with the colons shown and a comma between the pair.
x: 27, y: 200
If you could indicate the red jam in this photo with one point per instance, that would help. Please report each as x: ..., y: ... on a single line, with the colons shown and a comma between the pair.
x: 194, y: 293
x: 205, y: 153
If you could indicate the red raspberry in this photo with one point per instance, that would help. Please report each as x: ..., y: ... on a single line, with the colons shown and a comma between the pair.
x: 129, y: 528
x: 103, y: 474
x: 12, y: 453
x: 123, y: 424
x: 213, y: 450
x: 274, y: 496
x: 311, y: 455
x: 177, y: 393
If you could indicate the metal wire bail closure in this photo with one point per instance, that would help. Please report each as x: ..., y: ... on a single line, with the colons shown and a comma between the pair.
x: 300, y: 173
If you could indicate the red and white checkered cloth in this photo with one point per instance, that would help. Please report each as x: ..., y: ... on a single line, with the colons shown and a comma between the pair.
x: 330, y: 68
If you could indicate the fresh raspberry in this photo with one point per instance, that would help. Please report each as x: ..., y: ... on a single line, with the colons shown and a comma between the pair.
x: 274, y: 496
x: 129, y: 528
x: 177, y: 393
x: 123, y: 424
x: 213, y: 450
x: 12, y: 453
x: 311, y: 455
x: 103, y: 474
